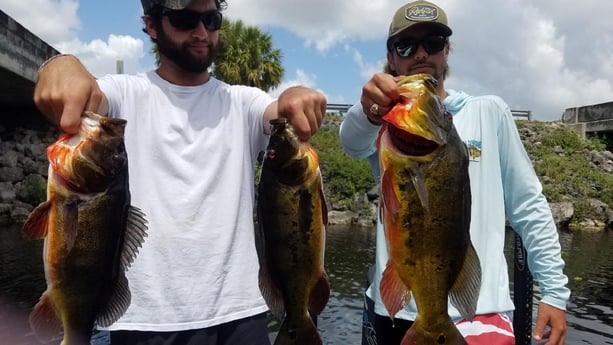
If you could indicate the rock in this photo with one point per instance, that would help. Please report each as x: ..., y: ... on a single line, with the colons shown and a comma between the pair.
x: 9, y: 159
x: 11, y: 174
x: 373, y: 193
x: 38, y: 152
x: 19, y: 214
x: 341, y: 217
x: 589, y: 225
x: 29, y: 166
x: 5, y: 213
x: 7, y: 192
x: 365, y: 222
x: 562, y: 213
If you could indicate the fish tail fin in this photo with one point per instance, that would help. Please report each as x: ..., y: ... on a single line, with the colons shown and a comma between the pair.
x: 45, y: 320
x: 319, y: 295
x: 446, y: 333
x: 464, y: 293
x: 298, y: 331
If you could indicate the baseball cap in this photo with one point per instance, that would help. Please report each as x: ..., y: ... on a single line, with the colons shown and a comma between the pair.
x: 171, y: 4
x: 418, y: 13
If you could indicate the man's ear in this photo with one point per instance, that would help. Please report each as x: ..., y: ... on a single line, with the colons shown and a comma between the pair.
x: 150, y: 28
x: 390, y: 62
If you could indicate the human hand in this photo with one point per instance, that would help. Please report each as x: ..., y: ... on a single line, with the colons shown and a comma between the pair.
x: 64, y: 90
x: 378, y: 96
x: 304, y: 108
x: 556, y: 319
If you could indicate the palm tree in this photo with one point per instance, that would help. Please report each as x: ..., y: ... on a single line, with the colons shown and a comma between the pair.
x: 246, y: 57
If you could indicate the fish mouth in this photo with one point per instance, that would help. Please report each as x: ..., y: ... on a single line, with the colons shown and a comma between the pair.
x: 410, y: 144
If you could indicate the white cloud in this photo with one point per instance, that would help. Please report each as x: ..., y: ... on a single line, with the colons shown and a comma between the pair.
x: 53, y: 21
x: 101, y: 57
x: 366, y: 69
x: 320, y: 23
x: 301, y: 78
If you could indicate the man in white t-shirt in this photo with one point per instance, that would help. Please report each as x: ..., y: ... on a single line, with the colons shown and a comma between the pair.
x: 192, y: 143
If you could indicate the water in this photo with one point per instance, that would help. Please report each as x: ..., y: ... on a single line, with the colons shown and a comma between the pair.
x: 589, y: 266
x: 349, y: 254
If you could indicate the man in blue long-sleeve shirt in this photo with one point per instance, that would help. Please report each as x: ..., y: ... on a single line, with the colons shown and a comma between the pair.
x: 503, y: 185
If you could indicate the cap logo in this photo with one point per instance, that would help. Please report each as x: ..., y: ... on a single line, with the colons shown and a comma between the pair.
x: 422, y: 13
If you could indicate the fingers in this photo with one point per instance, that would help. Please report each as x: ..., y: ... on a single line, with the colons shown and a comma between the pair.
x: 378, y: 96
x: 555, y: 336
x: 304, y: 108
x: 539, y: 328
x: 64, y: 90
x: 556, y: 320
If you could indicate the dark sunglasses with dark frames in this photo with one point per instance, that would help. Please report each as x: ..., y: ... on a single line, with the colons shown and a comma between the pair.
x: 188, y: 20
x: 408, y: 47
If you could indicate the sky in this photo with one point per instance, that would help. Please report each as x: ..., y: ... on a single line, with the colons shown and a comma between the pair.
x: 539, y: 55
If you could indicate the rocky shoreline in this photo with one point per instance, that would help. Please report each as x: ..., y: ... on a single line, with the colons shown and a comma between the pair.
x: 23, y: 174
x: 23, y: 170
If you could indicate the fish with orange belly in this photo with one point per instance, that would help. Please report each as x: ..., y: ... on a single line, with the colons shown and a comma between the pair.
x: 425, y: 209
x: 92, y: 233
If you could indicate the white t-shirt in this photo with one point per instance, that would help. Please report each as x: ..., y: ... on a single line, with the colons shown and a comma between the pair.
x: 191, y: 155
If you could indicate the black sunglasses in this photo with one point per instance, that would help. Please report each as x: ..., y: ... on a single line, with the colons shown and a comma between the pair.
x: 431, y: 44
x: 188, y: 20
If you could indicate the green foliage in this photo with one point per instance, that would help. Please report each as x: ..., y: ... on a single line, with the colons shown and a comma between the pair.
x: 343, y: 176
x: 562, y: 161
x: 246, y: 57
x: 35, y: 192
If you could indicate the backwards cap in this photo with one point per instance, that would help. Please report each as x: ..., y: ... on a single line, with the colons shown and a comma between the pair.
x: 418, y: 12
x: 171, y: 4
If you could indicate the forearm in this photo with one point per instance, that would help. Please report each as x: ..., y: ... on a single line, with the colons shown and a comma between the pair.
x: 542, y: 243
x: 357, y: 134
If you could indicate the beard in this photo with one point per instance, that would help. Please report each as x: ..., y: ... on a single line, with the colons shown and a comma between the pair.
x: 181, y: 55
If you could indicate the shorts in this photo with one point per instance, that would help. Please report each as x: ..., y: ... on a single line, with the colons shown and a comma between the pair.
x: 252, y: 330
x: 489, y: 329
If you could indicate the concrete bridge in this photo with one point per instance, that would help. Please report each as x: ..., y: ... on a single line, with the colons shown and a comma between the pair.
x: 21, y: 53
x: 591, y: 119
